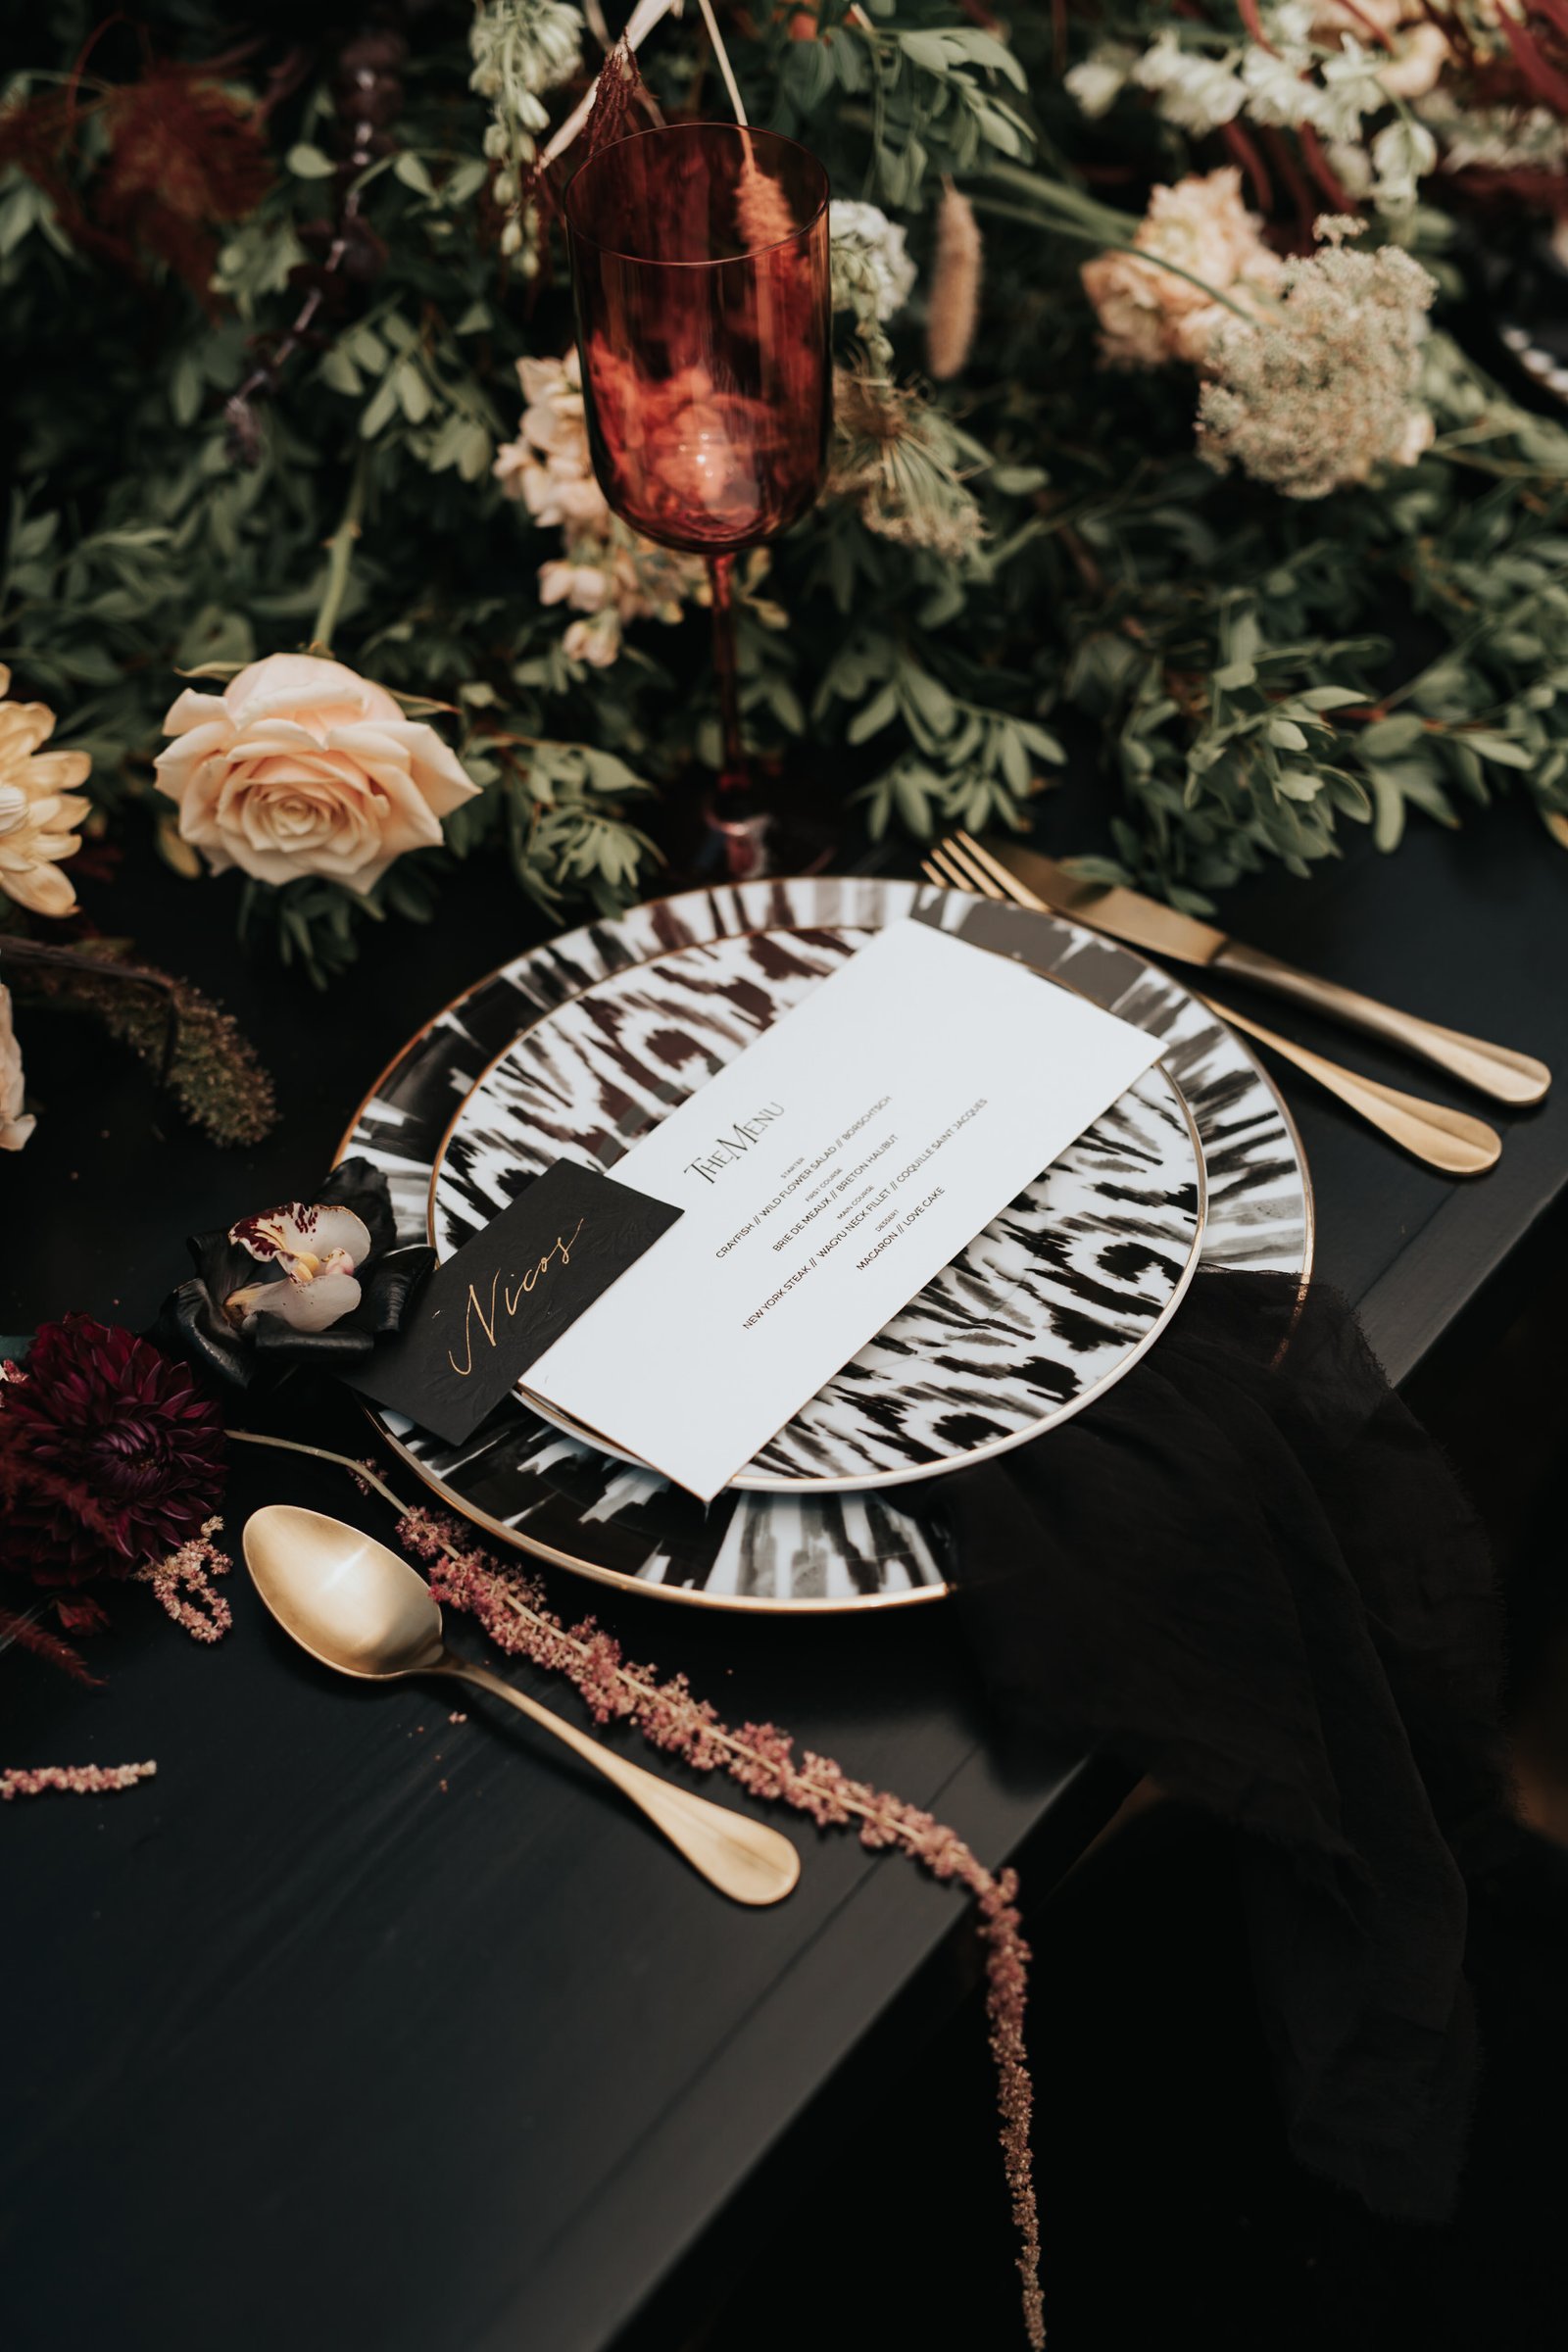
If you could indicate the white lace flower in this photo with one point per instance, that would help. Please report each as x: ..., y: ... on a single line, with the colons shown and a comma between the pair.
x: 1326, y: 391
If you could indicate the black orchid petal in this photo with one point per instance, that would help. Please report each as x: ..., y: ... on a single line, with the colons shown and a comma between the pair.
x: 222, y: 1266
x: 274, y: 1343
x: 359, y: 1185
x: 189, y: 1325
x: 391, y: 1287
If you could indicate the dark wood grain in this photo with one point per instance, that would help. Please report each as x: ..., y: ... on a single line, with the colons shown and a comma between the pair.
x: 359, y: 2026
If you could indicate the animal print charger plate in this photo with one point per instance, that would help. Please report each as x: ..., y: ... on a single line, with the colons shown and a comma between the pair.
x: 797, y: 1544
x: 1044, y: 1308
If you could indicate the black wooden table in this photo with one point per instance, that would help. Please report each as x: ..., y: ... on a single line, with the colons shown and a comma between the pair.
x: 359, y: 2026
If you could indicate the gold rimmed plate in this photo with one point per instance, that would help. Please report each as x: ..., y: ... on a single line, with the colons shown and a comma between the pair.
x: 1054, y: 1301
x: 797, y: 1553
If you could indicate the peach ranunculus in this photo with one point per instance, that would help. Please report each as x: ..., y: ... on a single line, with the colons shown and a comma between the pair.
x: 300, y: 767
x: 1147, y: 315
x: 39, y: 806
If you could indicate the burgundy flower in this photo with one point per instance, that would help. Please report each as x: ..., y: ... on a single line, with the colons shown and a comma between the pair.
x: 110, y: 1455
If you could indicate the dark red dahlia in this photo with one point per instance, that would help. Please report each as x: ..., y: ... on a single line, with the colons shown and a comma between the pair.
x: 110, y: 1455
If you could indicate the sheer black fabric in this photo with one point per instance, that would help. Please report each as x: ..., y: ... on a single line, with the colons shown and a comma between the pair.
x: 1248, y: 1572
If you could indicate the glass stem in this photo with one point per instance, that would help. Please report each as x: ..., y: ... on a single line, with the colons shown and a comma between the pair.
x: 735, y: 775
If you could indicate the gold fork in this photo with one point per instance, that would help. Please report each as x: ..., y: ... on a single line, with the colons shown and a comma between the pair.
x: 1449, y: 1140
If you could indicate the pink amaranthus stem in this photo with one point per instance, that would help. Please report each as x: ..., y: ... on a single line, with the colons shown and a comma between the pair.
x: 73, y: 1779
x: 510, y: 1607
x: 183, y: 1588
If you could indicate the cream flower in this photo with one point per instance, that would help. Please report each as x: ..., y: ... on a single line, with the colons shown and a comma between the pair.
x: 606, y: 570
x: 16, y: 1125
x: 1403, y: 153
x: 317, y: 1250
x: 38, y: 807
x: 549, y: 466
x: 1421, y: 48
x: 301, y: 768
x: 870, y: 260
x: 1099, y: 81
x: 1199, y: 94
x: 1423, y: 54
x: 1147, y: 315
x: 583, y: 586
x: 555, y: 416
x: 1419, y: 433
x: 596, y: 642
x: 556, y: 491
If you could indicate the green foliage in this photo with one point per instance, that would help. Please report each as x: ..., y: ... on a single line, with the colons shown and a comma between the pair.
x: 1246, y: 725
x: 1259, y: 673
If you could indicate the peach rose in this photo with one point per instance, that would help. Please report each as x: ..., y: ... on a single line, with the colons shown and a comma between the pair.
x: 301, y: 768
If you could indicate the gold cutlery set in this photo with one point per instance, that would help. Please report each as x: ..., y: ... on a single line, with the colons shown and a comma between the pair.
x: 358, y: 1608
x: 1452, y: 1141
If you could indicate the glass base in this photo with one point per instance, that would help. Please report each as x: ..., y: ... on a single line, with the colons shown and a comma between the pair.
x: 778, y: 821
x: 745, y: 838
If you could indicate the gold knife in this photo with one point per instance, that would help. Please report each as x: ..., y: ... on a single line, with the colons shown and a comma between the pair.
x: 1494, y: 1070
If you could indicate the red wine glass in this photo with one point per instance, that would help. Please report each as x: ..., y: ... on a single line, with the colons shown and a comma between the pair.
x: 699, y: 270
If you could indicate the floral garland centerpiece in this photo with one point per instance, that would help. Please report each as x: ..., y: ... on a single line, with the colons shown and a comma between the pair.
x: 1150, y: 414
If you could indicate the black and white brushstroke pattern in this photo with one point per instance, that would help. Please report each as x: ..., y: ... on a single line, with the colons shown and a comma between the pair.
x: 1045, y: 1306
x: 569, y: 1503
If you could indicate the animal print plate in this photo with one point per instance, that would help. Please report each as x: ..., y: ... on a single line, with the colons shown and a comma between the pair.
x: 799, y: 1553
x: 1051, y: 1303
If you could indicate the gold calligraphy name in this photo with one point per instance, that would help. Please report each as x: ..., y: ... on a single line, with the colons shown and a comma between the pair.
x: 505, y: 1297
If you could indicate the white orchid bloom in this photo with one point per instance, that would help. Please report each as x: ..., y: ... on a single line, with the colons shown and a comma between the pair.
x: 317, y: 1249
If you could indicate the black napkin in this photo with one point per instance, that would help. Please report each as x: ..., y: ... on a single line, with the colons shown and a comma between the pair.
x: 1248, y: 1572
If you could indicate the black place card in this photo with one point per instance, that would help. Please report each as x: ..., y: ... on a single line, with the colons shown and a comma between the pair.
x: 486, y: 1314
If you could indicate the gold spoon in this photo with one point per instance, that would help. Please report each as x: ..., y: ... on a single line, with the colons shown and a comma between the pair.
x: 1450, y: 1139
x: 355, y: 1605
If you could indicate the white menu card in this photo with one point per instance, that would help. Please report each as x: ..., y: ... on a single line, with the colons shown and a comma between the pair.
x: 824, y: 1177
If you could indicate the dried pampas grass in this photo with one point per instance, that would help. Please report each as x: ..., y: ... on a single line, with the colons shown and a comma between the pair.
x: 762, y: 206
x: 955, y: 307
